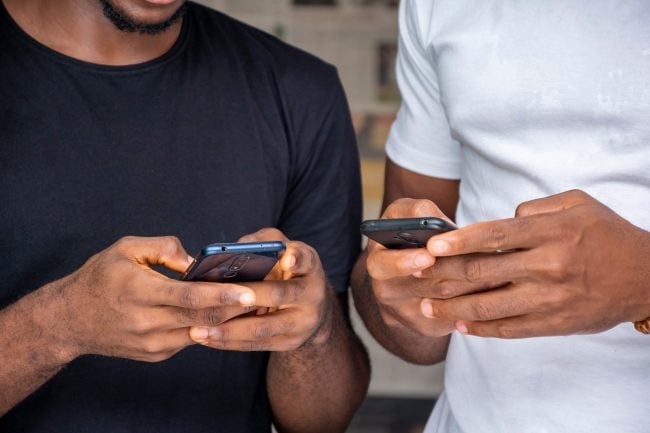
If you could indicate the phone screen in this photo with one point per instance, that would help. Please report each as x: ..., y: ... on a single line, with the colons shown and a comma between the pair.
x: 234, y: 262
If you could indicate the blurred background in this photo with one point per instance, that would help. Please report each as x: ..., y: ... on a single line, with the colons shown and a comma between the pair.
x: 359, y: 37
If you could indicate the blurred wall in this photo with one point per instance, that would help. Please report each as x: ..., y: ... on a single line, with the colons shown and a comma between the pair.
x: 359, y: 38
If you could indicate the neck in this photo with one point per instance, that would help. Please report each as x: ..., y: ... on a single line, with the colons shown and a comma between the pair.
x: 79, y: 29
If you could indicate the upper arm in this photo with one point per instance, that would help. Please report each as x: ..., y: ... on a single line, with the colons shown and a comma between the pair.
x: 323, y: 207
x: 424, y: 160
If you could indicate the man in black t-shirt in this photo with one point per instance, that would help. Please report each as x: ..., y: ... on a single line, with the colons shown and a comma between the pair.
x: 123, y: 122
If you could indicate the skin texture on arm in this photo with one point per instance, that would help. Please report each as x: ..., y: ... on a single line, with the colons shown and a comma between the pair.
x: 389, y: 303
x: 309, y: 380
x: 32, y: 352
x: 318, y: 371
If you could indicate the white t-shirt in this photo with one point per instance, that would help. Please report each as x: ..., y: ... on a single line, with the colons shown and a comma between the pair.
x: 521, y: 100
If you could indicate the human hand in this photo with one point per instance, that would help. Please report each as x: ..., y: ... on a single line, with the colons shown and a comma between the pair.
x: 295, y: 293
x: 397, y: 278
x: 570, y: 266
x: 116, y: 305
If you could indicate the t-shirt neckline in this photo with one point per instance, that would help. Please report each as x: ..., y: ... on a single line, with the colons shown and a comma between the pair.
x: 178, y: 47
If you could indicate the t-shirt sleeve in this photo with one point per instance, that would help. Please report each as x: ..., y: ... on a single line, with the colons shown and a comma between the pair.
x: 323, y: 207
x: 420, y: 138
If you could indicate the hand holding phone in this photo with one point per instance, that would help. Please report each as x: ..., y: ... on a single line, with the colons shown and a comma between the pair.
x: 400, y: 272
x: 399, y: 233
x: 296, y: 293
x: 234, y: 262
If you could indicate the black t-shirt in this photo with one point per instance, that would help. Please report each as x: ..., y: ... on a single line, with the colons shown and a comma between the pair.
x: 230, y: 131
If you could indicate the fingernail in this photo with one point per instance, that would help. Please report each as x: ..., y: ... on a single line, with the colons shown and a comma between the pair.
x: 462, y: 328
x: 200, y: 334
x: 422, y: 260
x: 427, y: 309
x: 247, y: 298
x: 439, y: 247
x: 417, y: 274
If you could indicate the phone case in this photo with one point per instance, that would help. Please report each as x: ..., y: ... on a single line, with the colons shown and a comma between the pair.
x: 234, y: 262
x: 398, y: 233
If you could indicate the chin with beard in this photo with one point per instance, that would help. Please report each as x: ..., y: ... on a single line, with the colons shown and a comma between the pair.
x: 121, y: 19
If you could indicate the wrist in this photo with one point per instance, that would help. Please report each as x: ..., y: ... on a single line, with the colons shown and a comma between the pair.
x: 324, y: 332
x: 50, y: 319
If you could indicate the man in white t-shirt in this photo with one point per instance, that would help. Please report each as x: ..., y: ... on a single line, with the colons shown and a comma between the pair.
x: 541, y: 111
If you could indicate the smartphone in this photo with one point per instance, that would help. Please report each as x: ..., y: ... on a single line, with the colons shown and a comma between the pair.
x: 405, y: 232
x: 234, y: 262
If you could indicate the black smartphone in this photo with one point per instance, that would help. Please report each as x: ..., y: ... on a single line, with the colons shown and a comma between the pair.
x: 405, y: 232
x: 234, y: 262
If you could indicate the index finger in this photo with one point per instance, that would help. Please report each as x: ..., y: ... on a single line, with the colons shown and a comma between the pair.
x: 492, y: 236
x: 265, y: 234
x: 197, y: 294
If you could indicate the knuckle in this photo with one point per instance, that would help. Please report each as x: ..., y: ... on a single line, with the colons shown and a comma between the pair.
x: 172, y: 244
x: 287, y: 326
x: 313, y: 259
x: 189, y: 297
x: 404, y: 265
x: 277, y: 294
x: 167, y: 291
x: 557, y: 299
x: 224, y: 334
x: 496, y: 237
x: 152, y: 346
x: 398, y: 208
x: 293, y: 343
x: 446, y: 290
x: 142, y: 325
x: 124, y: 243
x: 507, y: 332
x: 383, y: 293
x: 156, y: 357
x: 308, y: 324
x: 373, y: 264
x: 424, y: 208
x: 263, y: 331
x: 578, y: 195
x: 523, y: 209
x: 214, y: 316
x: 481, y: 311
x: 557, y: 269
x: 226, y: 297
x: 187, y: 316
x: 270, y: 232
x: 472, y: 269
x: 257, y: 346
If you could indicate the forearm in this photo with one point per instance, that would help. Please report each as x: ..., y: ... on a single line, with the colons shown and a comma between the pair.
x: 319, y: 387
x: 31, y: 350
x: 398, y: 339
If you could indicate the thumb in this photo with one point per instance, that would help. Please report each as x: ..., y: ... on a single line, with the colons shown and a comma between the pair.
x: 166, y: 251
